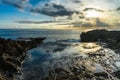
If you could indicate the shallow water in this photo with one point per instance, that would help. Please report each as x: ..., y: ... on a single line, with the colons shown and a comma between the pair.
x: 67, y: 55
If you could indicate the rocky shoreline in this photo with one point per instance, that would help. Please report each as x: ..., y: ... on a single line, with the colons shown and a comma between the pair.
x: 102, y: 64
x: 12, y: 54
x: 77, y: 61
x: 110, y: 38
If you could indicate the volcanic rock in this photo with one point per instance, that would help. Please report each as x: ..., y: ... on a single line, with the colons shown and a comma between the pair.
x: 100, y: 35
x: 12, y: 53
x: 112, y: 38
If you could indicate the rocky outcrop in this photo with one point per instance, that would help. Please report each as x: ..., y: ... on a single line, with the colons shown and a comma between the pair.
x: 100, y: 35
x: 12, y: 53
x: 112, y: 38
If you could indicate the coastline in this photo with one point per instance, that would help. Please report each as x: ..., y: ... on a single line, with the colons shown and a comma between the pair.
x: 77, y: 57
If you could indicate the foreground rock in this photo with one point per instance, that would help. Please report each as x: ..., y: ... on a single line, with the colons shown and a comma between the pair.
x: 112, y: 38
x: 12, y: 53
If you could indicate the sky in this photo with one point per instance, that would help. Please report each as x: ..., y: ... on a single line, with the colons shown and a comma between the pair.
x: 59, y: 13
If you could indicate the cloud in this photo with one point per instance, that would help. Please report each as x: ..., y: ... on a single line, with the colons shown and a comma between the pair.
x: 53, y: 10
x: 21, y: 4
x: 87, y: 24
x: 88, y: 9
x: 118, y: 9
x: 76, y: 1
x: 96, y: 23
x: 76, y: 16
x: 73, y: 10
x: 100, y: 23
x: 34, y: 22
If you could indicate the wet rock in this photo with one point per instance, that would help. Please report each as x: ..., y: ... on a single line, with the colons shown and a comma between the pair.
x: 112, y: 38
x: 94, y: 55
x: 89, y: 65
x: 117, y: 73
x: 101, y: 74
x: 12, y: 53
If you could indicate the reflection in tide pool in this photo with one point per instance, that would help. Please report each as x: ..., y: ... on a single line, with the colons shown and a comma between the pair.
x: 64, y: 60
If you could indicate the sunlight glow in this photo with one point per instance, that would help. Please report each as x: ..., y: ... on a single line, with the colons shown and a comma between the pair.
x: 90, y: 45
x: 92, y: 14
x: 88, y: 48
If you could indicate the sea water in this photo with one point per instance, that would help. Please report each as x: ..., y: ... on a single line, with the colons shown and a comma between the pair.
x: 58, y: 34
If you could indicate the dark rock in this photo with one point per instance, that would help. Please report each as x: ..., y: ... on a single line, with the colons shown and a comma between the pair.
x: 112, y: 38
x: 100, y: 35
x: 101, y: 74
x: 12, y: 53
x: 117, y: 73
x: 94, y: 55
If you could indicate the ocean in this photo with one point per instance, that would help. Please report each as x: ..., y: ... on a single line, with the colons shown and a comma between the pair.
x: 62, y: 55
x: 58, y: 34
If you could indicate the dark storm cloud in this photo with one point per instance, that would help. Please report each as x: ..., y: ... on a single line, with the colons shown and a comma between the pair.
x: 16, y: 3
x: 87, y: 9
x: 53, y: 10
